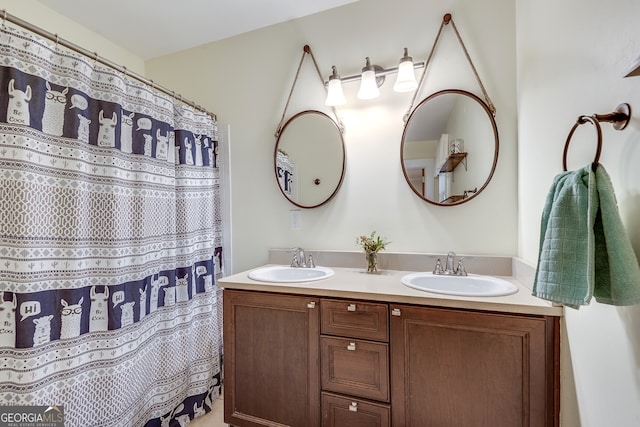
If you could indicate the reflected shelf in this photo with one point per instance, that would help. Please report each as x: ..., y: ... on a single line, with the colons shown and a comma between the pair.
x: 453, y: 161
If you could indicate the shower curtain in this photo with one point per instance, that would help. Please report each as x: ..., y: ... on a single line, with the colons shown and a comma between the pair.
x: 110, y: 242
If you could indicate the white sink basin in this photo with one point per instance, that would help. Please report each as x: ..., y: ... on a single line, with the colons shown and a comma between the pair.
x: 471, y: 286
x: 286, y: 274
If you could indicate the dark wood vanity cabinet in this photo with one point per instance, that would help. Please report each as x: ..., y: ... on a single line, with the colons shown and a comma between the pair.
x: 466, y: 368
x: 271, y: 359
x: 308, y: 361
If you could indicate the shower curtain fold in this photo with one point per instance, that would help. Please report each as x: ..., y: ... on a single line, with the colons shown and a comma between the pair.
x: 110, y: 242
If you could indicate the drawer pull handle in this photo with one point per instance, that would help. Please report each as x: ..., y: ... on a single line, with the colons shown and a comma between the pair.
x: 351, y: 346
x: 351, y: 307
x: 396, y: 312
x: 353, y: 407
x: 312, y: 304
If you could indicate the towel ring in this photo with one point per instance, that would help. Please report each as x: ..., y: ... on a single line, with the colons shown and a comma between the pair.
x: 582, y: 120
x: 619, y: 118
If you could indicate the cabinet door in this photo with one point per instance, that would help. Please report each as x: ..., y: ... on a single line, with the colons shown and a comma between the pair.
x: 463, y: 368
x: 271, y: 359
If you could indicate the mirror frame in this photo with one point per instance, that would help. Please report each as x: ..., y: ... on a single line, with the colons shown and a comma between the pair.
x: 344, y: 157
x: 496, y: 146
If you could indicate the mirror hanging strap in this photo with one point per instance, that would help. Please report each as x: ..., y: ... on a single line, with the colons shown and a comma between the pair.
x: 445, y: 21
x: 306, y: 51
x: 492, y: 108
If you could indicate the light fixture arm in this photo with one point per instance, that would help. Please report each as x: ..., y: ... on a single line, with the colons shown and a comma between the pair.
x: 306, y: 50
x: 380, y: 72
x: 448, y: 19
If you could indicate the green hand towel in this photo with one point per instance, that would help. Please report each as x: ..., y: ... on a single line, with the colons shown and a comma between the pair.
x: 617, y: 274
x: 565, y: 262
x: 584, y: 250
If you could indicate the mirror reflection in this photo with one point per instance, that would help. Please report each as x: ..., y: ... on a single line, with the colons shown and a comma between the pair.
x: 309, y: 159
x: 449, y: 147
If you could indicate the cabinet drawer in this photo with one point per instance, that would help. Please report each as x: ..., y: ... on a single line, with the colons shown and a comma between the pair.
x: 340, y: 411
x: 358, y: 368
x: 355, y: 319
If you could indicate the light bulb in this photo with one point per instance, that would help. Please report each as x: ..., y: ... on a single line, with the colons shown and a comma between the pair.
x: 368, y: 85
x: 406, y: 80
x: 335, y: 96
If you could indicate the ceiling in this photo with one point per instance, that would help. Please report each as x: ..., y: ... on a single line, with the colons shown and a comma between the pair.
x: 152, y: 28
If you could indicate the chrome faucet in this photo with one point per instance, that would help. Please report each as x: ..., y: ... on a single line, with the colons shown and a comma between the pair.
x: 299, y: 259
x: 450, y: 259
x: 449, y: 268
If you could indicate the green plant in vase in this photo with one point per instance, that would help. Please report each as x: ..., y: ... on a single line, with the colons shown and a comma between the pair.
x: 371, y: 245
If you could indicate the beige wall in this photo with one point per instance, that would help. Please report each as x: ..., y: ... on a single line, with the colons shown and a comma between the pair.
x: 571, y: 58
x: 246, y: 81
x: 570, y: 61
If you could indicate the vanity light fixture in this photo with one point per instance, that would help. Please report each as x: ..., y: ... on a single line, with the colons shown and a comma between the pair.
x: 372, y: 77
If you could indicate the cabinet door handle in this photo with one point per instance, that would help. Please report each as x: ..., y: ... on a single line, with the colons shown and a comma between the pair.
x: 351, y: 346
x: 312, y: 304
x: 351, y: 307
x: 396, y: 312
x: 353, y: 407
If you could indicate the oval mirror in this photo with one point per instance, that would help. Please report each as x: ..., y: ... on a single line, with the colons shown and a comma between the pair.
x: 309, y: 159
x: 449, y: 147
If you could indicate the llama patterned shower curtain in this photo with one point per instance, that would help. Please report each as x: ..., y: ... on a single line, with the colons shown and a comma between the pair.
x: 110, y: 242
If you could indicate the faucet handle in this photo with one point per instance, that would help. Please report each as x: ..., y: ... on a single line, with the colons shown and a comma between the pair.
x: 294, y: 261
x: 310, y: 263
x: 460, y: 270
x: 438, y: 268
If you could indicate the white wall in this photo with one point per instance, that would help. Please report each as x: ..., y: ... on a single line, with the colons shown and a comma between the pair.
x: 246, y: 81
x: 572, y: 55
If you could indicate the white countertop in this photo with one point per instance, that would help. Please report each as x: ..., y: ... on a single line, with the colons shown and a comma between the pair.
x: 385, y: 286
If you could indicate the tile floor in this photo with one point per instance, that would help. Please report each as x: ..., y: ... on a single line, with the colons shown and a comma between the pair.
x: 213, y: 418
